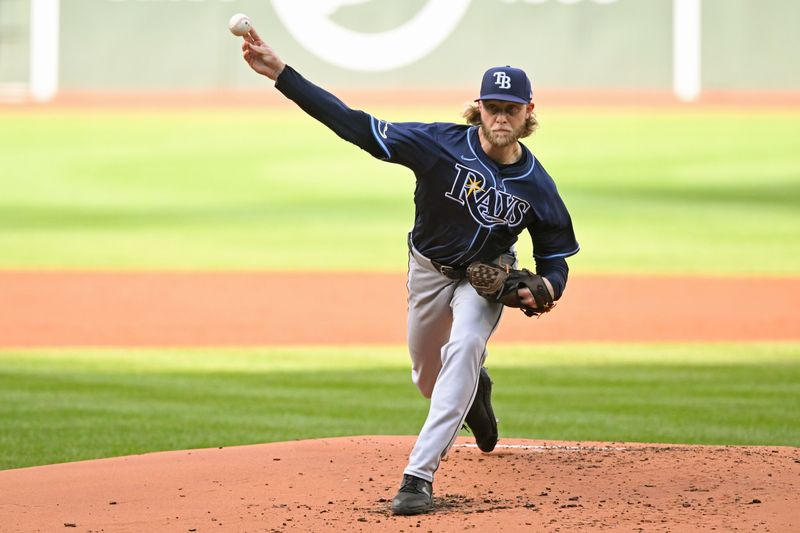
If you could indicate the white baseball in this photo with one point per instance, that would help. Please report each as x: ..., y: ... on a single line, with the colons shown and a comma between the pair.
x: 239, y: 24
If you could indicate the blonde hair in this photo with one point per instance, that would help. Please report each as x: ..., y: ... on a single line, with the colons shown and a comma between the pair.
x: 472, y: 114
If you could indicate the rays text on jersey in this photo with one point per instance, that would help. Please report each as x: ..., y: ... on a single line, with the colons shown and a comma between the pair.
x: 487, y: 206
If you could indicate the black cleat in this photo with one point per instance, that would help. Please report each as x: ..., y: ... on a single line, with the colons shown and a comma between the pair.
x: 414, y: 497
x: 480, y: 418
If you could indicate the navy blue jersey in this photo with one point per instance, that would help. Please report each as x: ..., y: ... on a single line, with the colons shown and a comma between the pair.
x: 467, y: 207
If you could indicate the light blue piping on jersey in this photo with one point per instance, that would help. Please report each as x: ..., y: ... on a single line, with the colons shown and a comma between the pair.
x: 471, y: 149
x: 477, y: 233
x: 502, y: 180
x: 486, y: 238
x: 502, y: 184
x: 555, y: 256
x: 494, y: 178
x: 533, y: 164
x: 378, y: 137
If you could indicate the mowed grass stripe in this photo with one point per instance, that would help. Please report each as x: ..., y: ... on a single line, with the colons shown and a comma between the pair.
x: 65, y: 405
x: 698, y: 191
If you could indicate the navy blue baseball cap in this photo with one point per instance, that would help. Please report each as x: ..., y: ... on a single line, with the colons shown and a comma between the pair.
x: 508, y: 84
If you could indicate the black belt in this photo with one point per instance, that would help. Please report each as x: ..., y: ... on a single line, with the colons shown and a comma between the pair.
x: 449, y: 271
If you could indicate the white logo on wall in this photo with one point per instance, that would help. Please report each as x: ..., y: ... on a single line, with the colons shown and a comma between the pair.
x: 309, y: 22
x: 502, y: 80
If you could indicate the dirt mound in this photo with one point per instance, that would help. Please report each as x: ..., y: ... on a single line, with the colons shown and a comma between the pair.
x: 346, y: 484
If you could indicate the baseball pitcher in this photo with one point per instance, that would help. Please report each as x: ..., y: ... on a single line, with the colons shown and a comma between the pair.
x: 477, y: 189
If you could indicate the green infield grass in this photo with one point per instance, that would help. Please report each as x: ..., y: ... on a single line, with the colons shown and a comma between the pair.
x: 65, y: 405
x: 666, y: 190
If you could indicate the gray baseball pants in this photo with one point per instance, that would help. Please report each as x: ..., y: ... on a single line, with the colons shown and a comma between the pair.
x: 449, y: 325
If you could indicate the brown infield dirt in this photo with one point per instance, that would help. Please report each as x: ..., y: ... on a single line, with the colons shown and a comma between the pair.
x: 59, y: 309
x: 347, y: 483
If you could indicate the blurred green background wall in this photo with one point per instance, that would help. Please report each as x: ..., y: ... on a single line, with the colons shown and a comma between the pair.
x: 613, y: 44
x: 14, y: 40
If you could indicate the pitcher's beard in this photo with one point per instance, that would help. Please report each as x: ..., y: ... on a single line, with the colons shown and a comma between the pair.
x: 502, y: 140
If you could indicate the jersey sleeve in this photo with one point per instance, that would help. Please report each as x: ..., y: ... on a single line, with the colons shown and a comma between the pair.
x: 411, y: 144
x: 351, y: 125
x: 551, y: 230
x: 552, y: 235
x: 554, y: 241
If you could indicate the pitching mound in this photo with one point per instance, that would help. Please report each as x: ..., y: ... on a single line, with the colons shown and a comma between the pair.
x: 346, y: 484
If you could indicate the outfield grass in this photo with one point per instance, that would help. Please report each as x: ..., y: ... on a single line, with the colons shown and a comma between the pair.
x: 65, y: 405
x: 709, y: 191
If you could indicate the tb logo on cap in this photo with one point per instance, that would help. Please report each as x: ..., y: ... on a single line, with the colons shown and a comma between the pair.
x: 502, y: 80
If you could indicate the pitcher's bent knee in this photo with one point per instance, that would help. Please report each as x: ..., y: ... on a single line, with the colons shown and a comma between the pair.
x: 425, y: 379
x: 470, y: 344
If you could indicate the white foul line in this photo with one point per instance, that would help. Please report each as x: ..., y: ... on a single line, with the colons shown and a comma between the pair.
x: 550, y: 447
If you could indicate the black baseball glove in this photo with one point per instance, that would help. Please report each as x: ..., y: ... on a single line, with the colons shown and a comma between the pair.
x: 500, y: 284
